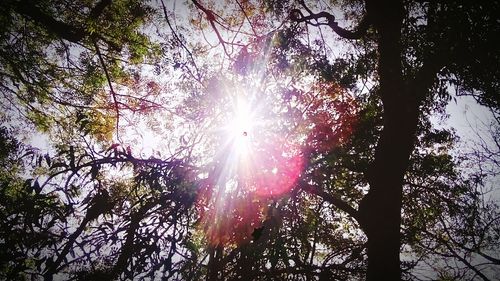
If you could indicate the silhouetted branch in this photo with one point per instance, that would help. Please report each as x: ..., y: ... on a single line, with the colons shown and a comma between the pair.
x: 211, y: 19
x: 61, y: 29
x: 464, y: 247
x: 456, y: 255
x: 332, y: 199
x: 165, y: 13
x: 99, y: 204
x: 297, y: 16
x: 99, y: 8
x: 246, y: 17
x: 71, y: 33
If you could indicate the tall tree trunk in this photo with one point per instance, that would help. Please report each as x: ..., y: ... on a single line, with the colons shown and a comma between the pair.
x: 380, y: 210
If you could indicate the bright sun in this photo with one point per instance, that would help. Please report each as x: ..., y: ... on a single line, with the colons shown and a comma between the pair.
x: 240, y: 127
x: 257, y: 163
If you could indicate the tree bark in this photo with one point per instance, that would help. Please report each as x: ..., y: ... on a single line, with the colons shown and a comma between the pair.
x: 380, y: 210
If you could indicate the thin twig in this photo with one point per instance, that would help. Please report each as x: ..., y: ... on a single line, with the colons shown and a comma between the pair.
x: 165, y: 13
x: 113, y: 94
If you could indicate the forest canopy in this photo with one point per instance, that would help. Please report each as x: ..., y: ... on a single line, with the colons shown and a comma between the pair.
x: 248, y: 140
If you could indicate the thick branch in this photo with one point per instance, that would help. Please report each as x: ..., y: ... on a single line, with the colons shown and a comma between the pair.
x: 297, y: 16
x: 434, y: 60
x: 61, y: 29
x: 333, y: 199
x: 128, y: 248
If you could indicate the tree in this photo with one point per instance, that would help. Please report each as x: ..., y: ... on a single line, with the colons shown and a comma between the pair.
x: 406, y: 81
x: 282, y: 158
x: 468, y: 233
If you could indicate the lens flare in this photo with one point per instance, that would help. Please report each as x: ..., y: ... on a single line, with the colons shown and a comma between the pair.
x: 267, y: 135
x: 266, y: 149
x: 256, y: 165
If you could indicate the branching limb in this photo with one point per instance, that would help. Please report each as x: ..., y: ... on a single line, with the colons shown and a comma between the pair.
x: 61, y: 29
x: 71, y: 33
x: 459, y: 257
x: 297, y: 16
x: 178, y: 39
x: 99, y: 204
x: 212, y: 20
x: 247, y: 18
x: 333, y: 199
x: 463, y: 245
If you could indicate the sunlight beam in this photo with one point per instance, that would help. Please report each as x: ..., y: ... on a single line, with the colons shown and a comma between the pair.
x: 240, y: 128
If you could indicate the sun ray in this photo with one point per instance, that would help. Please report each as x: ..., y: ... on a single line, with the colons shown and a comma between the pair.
x: 257, y: 162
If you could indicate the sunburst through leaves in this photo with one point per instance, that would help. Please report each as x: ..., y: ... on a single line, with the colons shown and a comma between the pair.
x: 263, y: 135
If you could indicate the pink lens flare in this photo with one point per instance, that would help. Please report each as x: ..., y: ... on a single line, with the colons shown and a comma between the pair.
x: 230, y: 216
